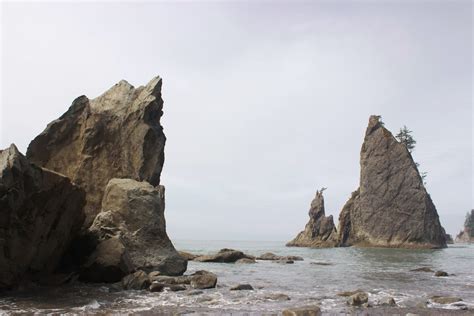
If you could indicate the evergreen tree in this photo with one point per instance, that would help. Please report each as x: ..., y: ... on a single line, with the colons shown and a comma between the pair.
x: 405, y: 137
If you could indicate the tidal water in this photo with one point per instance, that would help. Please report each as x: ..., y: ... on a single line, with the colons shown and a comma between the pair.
x: 380, y: 272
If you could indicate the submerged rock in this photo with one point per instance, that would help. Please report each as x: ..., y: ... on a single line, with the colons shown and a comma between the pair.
x: 135, y: 211
x: 246, y: 261
x: 224, y: 255
x: 303, y: 311
x: 445, y: 299
x: 349, y: 293
x: 441, y: 274
x: 277, y: 297
x: 116, y: 135
x: 391, y: 207
x: 320, y: 230
x: 422, y: 269
x: 387, y: 301
x: 241, y: 287
x: 273, y: 257
x: 40, y: 214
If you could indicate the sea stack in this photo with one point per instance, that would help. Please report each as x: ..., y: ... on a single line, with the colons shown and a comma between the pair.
x: 320, y: 230
x: 116, y: 135
x: 467, y: 234
x: 112, y: 147
x: 391, y: 207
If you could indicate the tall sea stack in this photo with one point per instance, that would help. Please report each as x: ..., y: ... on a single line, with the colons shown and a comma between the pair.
x: 391, y: 207
x: 320, y: 230
x: 467, y: 234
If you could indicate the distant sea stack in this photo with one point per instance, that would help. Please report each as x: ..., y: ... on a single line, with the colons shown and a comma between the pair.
x: 116, y: 135
x: 467, y: 234
x: 391, y: 207
x: 320, y: 230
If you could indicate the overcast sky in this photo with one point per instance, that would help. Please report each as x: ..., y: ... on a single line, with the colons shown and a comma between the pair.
x: 264, y: 103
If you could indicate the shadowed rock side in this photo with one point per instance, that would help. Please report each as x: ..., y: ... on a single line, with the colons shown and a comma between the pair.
x: 134, y: 212
x: 116, y: 135
x: 320, y: 230
x: 391, y: 208
x: 467, y: 234
x: 40, y: 213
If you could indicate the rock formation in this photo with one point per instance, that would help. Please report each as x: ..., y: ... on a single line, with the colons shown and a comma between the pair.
x: 134, y: 212
x: 40, y: 212
x: 391, y: 207
x: 467, y: 234
x: 116, y: 135
x: 320, y: 230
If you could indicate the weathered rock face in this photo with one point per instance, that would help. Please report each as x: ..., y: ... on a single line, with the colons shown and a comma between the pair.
x: 134, y: 212
x: 320, y: 230
x: 467, y: 234
x: 40, y: 212
x: 117, y: 135
x: 391, y: 208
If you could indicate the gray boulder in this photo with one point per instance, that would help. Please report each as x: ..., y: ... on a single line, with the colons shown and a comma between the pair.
x: 391, y: 207
x: 224, y: 255
x: 302, y: 311
x: 358, y: 299
x: 136, y: 281
x: 40, y: 214
x: 320, y: 230
x: 134, y: 211
x: 116, y: 135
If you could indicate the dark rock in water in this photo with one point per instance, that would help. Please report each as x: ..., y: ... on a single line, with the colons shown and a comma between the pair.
x: 203, y: 280
x: 40, y: 214
x: 241, y: 287
x: 183, y: 279
x: 467, y: 234
x: 273, y: 257
x: 303, y: 311
x: 136, y: 281
x: 358, y: 299
x: 135, y: 211
x: 176, y: 287
x: 391, y: 208
x: 285, y: 261
x: 441, y: 274
x: 319, y: 263
x: 224, y: 255
x: 195, y: 292
x: 156, y: 287
x: 449, y: 239
x: 116, y: 135
x: 110, y: 262
x: 422, y: 269
x: 445, y: 299
x: 320, y: 230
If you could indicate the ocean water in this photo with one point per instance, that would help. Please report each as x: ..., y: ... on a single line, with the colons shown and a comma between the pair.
x: 380, y: 272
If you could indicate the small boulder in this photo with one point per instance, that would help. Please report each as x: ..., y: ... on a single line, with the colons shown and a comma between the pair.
x: 387, y: 301
x: 358, y: 299
x: 303, y: 311
x: 441, y: 274
x: 136, y: 281
x: 156, y: 287
x: 242, y: 287
x: 445, y: 299
x: 203, y: 280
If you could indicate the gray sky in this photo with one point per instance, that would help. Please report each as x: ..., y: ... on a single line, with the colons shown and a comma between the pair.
x: 264, y: 103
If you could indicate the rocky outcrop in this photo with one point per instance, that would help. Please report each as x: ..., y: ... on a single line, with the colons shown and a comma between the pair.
x: 320, y: 230
x: 116, y: 135
x: 134, y: 212
x: 467, y: 234
x: 391, y: 207
x: 40, y: 213
x: 273, y: 257
x: 224, y: 255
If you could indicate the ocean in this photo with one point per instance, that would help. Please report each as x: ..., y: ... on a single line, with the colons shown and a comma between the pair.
x: 314, y: 281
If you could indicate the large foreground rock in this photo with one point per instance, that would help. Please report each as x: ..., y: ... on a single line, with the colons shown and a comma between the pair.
x: 40, y: 212
x: 134, y: 212
x: 116, y: 135
x: 320, y: 230
x: 391, y: 207
x: 467, y: 234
